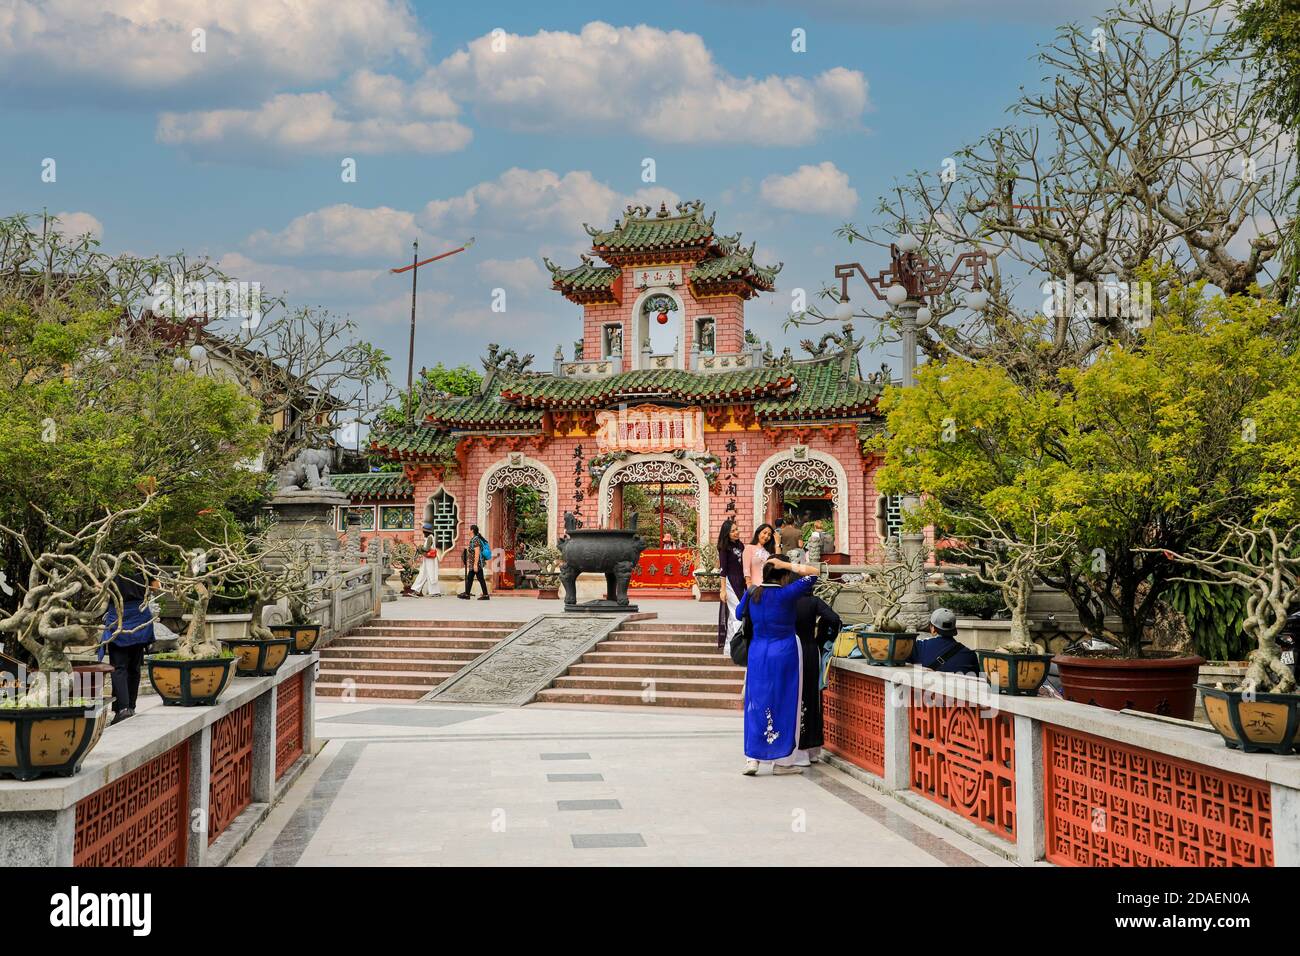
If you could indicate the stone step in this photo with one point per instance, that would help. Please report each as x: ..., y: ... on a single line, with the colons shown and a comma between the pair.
x: 605, y: 657
x: 386, y: 640
x: 372, y: 691
x: 660, y: 685
x: 660, y: 647
x: 555, y: 695
x: 426, y: 679
x: 676, y: 637
x: 404, y: 622
x: 446, y: 633
x: 453, y: 649
x: 726, y: 671
x: 388, y: 664
x: 666, y: 625
x: 398, y: 656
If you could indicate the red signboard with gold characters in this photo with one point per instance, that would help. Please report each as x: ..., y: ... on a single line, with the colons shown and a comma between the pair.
x: 665, y: 568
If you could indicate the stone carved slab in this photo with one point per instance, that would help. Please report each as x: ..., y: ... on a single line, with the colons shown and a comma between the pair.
x: 528, y: 661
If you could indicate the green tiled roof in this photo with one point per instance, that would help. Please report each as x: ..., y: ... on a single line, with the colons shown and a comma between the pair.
x: 491, y: 409
x: 824, y: 391
x: 583, y: 278
x: 547, y: 391
x: 736, y: 264
x: 640, y: 231
x: 415, y: 440
x: 375, y: 484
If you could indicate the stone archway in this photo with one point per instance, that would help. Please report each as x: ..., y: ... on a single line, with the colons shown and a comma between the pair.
x: 641, y: 326
x: 803, y: 464
x: 514, y: 470
x: 645, y: 468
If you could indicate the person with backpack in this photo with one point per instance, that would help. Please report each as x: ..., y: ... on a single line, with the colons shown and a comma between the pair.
x: 477, y: 554
x: 125, y: 643
x: 942, y: 651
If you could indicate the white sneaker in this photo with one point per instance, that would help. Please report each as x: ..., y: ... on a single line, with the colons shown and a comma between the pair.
x: 781, y: 771
x: 751, y: 768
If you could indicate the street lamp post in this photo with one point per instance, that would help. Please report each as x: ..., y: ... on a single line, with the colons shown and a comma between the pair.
x: 414, y: 269
x: 906, y: 285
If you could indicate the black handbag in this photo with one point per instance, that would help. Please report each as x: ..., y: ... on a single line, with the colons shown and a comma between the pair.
x: 740, y: 643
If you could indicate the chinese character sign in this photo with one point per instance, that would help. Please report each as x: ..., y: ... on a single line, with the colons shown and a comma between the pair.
x: 650, y: 428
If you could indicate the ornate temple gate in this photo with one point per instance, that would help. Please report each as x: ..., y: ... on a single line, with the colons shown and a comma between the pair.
x: 498, y: 518
x: 667, y: 563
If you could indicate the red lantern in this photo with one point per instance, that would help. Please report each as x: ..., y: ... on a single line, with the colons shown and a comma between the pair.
x: 663, y: 318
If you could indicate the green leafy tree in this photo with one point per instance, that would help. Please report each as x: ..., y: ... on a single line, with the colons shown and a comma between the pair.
x: 1137, y: 455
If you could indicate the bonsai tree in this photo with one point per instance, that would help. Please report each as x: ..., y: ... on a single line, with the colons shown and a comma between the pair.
x: 1263, y: 564
x: 548, y: 560
x: 70, y: 585
x: 880, y: 591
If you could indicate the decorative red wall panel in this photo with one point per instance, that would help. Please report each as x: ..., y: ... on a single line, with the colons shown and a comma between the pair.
x: 140, y: 819
x: 853, y: 709
x: 965, y: 761
x: 1108, y: 804
x: 288, y: 724
x: 664, y: 568
x: 231, y: 786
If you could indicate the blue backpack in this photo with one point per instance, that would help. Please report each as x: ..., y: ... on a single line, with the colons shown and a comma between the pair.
x: 485, y: 549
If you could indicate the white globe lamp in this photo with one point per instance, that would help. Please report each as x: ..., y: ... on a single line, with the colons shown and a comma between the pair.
x: 977, y: 300
x: 896, y: 294
x: 844, y: 311
x: 180, y: 363
x: 924, y: 316
x: 908, y: 242
x: 198, y: 353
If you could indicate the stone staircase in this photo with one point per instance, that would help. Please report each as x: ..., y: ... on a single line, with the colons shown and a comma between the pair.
x: 403, y: 660
x: 653, y: 663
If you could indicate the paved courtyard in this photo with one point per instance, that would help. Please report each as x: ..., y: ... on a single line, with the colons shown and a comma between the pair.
x: 430, y: 785
x: 506, y: 607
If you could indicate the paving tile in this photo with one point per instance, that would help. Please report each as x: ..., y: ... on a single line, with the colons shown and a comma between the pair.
x: 574, y: 777
x: 573, y: 756
x: 588, y: 805
x: 606, y: 841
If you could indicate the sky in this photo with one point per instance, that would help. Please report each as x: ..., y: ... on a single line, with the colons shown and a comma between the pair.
x: 511, y: 122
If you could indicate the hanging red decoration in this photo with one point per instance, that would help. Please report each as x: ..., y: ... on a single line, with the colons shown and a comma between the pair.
x: 663, y: 318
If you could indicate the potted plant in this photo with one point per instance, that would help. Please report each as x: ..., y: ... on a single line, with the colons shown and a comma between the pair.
x: 1009, y: 555
x: 881, y: 637
x: 1262, y: 712
x: 49, y: 726
x: 407, y: 562
x: 708, y: 575
x: 548, y: 576
x: 292, y: 585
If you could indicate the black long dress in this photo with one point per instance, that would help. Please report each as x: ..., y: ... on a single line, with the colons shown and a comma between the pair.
x: 815, y: 623
x: 732, y: 565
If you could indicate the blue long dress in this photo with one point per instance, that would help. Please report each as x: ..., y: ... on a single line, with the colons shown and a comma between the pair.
x: 773, y: 674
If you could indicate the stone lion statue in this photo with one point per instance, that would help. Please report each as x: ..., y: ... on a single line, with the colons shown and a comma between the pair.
x: 309, y: 469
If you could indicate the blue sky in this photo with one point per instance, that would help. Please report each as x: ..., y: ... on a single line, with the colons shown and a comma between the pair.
x: 235, y: 152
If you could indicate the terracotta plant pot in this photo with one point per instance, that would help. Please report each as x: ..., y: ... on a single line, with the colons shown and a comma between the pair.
x: 260, y: 658
x: 41, y: 741
x: 886, y: 648
x: 548, y: 594
x: 1155, y: 685
x: 1266, y: 723
x: 196, y: 683
x: 710, y: 586
x: 1016, y: 675
x: 304, y: 636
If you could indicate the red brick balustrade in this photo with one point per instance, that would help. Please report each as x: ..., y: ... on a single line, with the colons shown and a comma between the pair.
x: 140, y: 819
x: 288, y: 723
x: 1109, y: 804
x: 231, y: 787
x: 853, y: 709
x: 965, y: 760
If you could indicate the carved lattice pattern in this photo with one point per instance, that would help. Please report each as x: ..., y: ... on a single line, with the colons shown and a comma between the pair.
x: 231, y: 787
x: 288, y: 723
x: 1108, y: 804
x: 513, y: 476
x: 853, y: 710
x: 802, y: 471
x: 445, y: 518
x: 893, y: 505
x: 966, y: 762
x: 138, y: 820
x: 654, y: 470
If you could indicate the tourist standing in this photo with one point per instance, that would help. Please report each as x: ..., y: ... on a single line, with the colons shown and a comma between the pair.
x: 817, y: 625
x: 477, y: 554
x: 426, y: 584
x: 126, y: 645
x: 773, y: 682
x: 791, y: 541
x: 756, y: 554
x: 731, y: 562
x: 816, y: 544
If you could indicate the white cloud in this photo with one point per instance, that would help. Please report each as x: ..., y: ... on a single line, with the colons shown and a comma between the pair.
x: 823, y: 189
x: 523, y: 274
x: 528, y: 199
x: 126, y: 50
x: 663, y: 84
x: 346, y: 232
x: 292, y: 123
x: 74, y: 225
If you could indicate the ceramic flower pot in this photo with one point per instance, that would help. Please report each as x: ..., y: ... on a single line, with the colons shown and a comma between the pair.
x: 1016, y: 675
x: 1257, y: 723
x: 49, y: 741
x: 189, y: 683
x: 886, y: 648
x: 260, y: 657
x: 1153, y: 685
x: 304, y: 636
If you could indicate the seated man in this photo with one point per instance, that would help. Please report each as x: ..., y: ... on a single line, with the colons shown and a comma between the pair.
x: 942, y: 651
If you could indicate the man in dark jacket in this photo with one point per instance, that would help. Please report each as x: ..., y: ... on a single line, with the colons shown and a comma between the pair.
x: 127, y: 645
x: 942, y: 651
